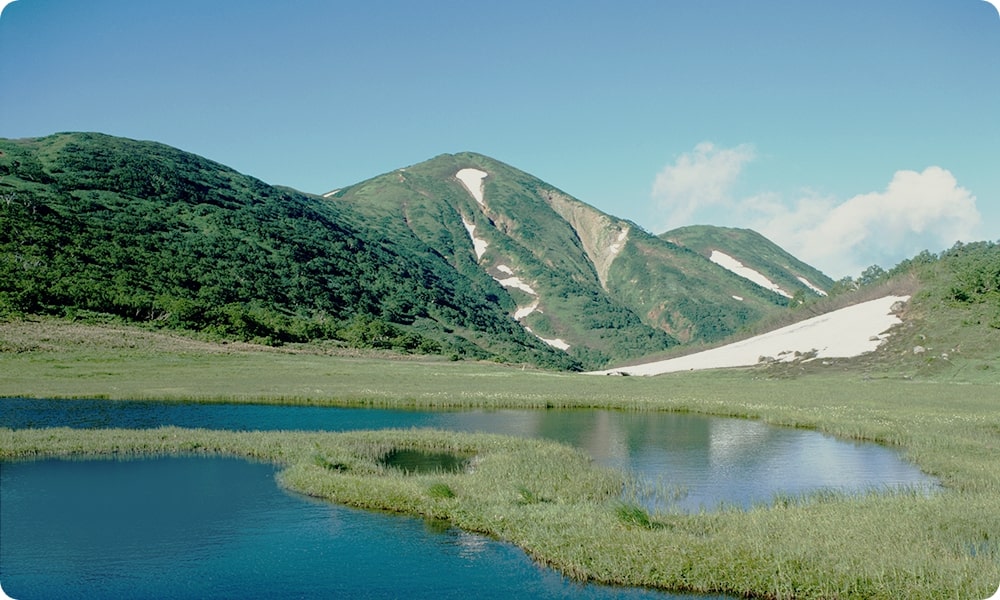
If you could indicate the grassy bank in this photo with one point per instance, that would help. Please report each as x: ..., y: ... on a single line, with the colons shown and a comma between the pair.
x: 540, y: 496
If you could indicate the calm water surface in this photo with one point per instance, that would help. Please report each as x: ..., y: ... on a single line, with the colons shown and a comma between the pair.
x: 710, y: 460
x: 219, y: 527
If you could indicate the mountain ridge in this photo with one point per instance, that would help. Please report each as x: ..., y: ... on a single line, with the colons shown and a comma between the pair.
x: 598, y: 241
x: 760, y: 259
x: 512, y: 269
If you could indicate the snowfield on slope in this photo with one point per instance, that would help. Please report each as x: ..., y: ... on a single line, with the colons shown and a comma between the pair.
x: 843, y: 333
x: 472, y: 179
x: 478, y: 244
x: 731, y: 264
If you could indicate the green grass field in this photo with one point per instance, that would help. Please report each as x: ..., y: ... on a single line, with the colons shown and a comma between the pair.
x: 545, y: 497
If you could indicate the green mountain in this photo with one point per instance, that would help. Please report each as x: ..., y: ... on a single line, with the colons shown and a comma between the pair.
x: 149, y: 233
x: 754, y: 255
x: 598, y: 287
x: 460, y: 255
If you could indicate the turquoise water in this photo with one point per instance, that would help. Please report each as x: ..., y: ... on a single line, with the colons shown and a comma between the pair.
x: 708, y: 460
x: 201, y: 528
x: 222, y: 528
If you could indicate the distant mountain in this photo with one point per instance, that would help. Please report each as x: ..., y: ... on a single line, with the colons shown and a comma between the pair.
x: 461, y: 255
x: 931, y: 316
x: 751, y: 255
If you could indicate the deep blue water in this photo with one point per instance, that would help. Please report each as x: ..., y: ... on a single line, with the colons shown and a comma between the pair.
x: 222, y: 528
x: 196, y: 528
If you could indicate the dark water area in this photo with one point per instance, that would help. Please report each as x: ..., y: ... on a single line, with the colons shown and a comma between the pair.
x: 196, y: 528
x: 417, y: 461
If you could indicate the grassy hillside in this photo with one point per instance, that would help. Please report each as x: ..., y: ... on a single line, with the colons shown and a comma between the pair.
x: 144, y: 232
x: 756, y: 252
x: 601, y: 285
x: 951, y: 326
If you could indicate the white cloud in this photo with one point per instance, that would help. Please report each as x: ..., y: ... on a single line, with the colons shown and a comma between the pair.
x: 4, y: 3
x: 916, y: 211
x: 995, y: 3
x: 698, y: 180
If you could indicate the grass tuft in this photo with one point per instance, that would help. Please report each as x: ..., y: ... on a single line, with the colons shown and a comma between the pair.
x: 440, y: 490
x: 634, y: 515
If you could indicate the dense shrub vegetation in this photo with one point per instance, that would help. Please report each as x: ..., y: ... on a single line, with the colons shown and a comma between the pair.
x: 93, y: 226
x: 145, y: 232
x: 965, y: 276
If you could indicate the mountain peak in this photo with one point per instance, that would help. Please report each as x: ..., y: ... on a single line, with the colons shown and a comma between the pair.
x: 461, y: 250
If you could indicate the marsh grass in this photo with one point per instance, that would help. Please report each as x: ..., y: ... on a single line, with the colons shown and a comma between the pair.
x: 660, y: 495
x: 440, y: 490
x: 633, y: 514
x: 549, y: 499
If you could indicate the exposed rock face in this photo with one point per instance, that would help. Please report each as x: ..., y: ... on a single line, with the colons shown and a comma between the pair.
x: 603, y: 237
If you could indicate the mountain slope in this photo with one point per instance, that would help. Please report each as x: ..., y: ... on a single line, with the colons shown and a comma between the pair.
x: 751, y: 255
x: 593, y: 285
x: 460, y: 254
x: 931, y: 316
x: 505, y: 235
x: 150, y: 233
x: 682, y: 292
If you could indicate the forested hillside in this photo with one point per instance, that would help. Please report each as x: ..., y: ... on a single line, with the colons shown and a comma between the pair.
x: 92, y: 223
x: 461, y: 255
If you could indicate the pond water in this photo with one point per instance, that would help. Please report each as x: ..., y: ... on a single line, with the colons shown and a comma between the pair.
x: 707, y: 460
x: 221, y: 528
x: 218, y: 527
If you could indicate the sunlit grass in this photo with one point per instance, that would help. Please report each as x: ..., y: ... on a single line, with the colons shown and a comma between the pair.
x: 549, y: 499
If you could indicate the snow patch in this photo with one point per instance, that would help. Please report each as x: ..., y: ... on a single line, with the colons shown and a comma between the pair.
x: 513, y: 281
x: 809, y: 285
x: 729, y: 263
x: 615, y: 248
x: 472, y: 179
x: 738, y: 298
x: 554, y: 342
x: 478, y: 243
x: 517, y: 283
x: 330, y: 194
x: 524, y: 311
x: 847, y: 332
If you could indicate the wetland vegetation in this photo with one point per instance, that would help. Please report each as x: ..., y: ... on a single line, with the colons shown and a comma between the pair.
x: 551, y: 500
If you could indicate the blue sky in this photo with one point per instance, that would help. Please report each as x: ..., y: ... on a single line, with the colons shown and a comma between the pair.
x: 850, y: 133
